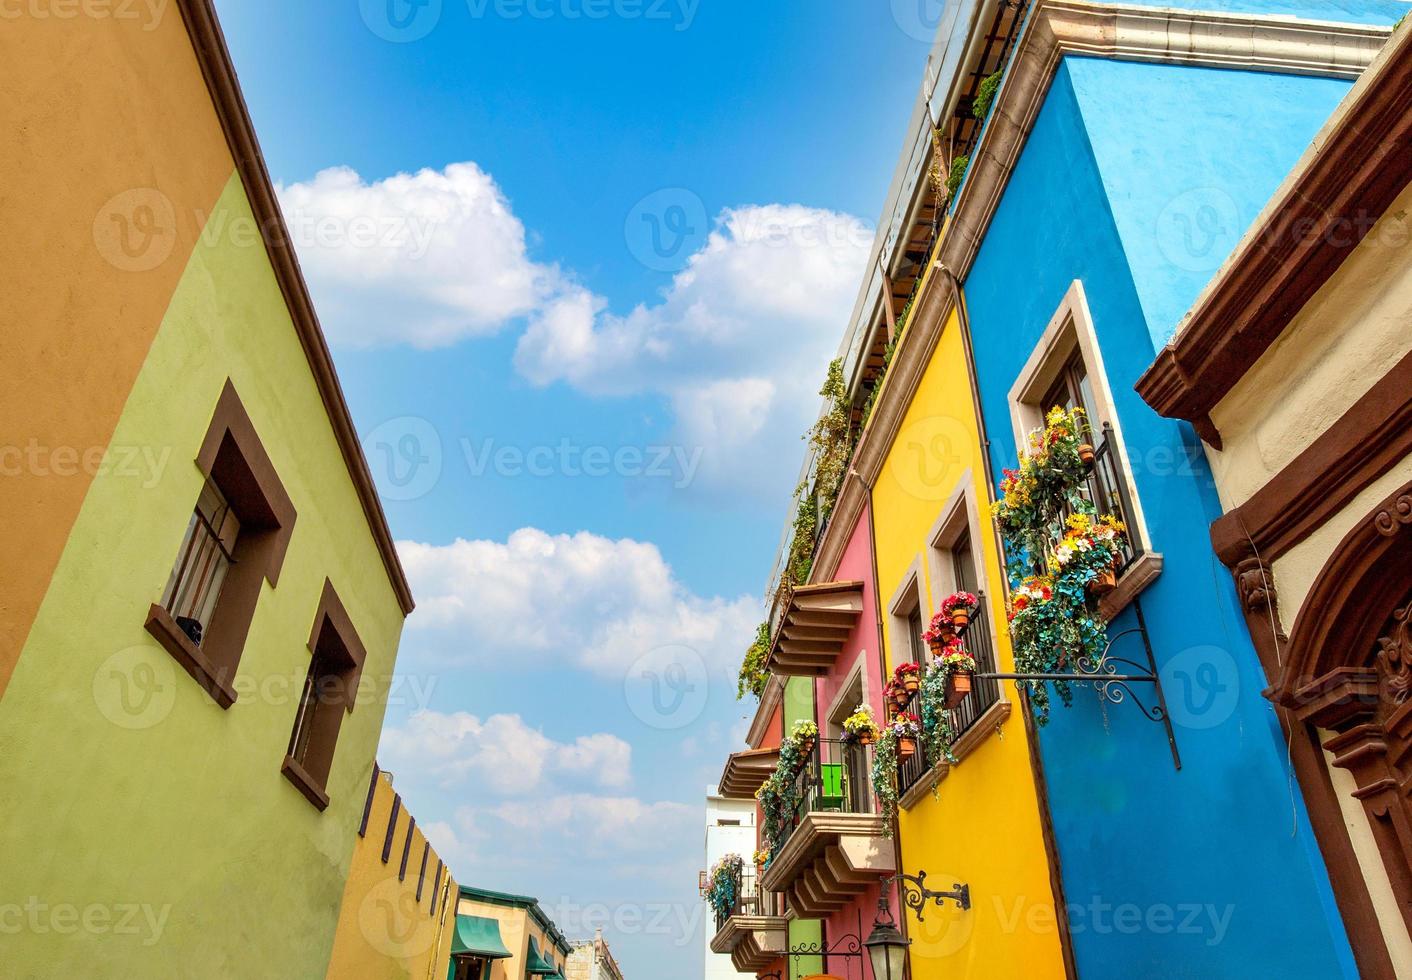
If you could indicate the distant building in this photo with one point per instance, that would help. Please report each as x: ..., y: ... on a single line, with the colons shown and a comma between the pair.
x: 505, y: 937
x: 399, y: 904
x: 730, y: 829
x: 592, y: 960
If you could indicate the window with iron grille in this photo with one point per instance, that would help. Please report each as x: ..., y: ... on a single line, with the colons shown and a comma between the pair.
x: 206, y: 555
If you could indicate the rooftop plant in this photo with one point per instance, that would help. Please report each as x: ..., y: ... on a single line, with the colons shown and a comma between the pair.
x: 753, y: 675
x: 985, y: 95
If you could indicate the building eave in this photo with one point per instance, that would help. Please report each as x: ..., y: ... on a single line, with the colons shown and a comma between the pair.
x: 208, y: 42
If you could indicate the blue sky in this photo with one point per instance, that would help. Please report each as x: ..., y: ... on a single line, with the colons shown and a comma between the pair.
x: 582, y: 267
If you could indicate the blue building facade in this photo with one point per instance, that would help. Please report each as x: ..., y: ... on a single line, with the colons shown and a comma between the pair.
x: 1134, y: 182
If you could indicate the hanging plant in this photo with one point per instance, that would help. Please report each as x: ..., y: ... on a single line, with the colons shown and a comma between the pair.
x: 1048, y: 525
x: 959, y: 606
x: 723, y: 885
x: 762, y: 859
x: 938, y: 731
x: 805, y: 735
x: 908, y: 676
x: 753, y: 676
x: 957, y: 174
x: 886, y: 756
x: 859, y: 728
x: 779, y: 794
x: 939, y: 633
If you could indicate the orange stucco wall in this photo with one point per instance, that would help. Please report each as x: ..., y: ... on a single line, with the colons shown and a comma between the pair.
x: 106, y: 121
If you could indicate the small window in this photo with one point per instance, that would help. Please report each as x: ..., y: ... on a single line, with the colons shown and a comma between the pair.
x: 330, y: 688
x: 207, y: 553
x: 914, y: 635
x: 236, y: 537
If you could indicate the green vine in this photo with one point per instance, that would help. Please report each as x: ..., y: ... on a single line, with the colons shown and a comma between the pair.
x: 985, y: 95
x: 723, y: 890
x: 779, y: 794
x: 958, y: 174
x: 753, y: 676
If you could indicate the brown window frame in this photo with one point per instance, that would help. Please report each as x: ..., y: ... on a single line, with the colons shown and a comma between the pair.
x: 335, y: 645
x: 233, y: 459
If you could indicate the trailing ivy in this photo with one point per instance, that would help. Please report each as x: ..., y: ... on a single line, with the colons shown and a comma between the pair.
x: 958, y: 174
x: 985, y: 95
x: 829, y: 440
x: 753, y: 675
x: 779, y: 794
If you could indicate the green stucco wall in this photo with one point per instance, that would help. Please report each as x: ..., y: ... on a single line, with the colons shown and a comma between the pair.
x: 798, y: 701
x: 147, y: 831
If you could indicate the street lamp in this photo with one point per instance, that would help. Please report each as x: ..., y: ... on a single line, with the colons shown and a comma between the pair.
x: 886, y: 948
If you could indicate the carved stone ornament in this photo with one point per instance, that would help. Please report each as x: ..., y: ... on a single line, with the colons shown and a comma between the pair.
x: 1255, y: 583
x: 1394, y: 658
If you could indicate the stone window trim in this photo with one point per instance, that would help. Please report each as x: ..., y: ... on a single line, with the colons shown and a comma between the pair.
x: 233, y: 458
x: 1071, y: 331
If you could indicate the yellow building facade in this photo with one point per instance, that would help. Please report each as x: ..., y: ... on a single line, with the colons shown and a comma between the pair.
x: 399, y: 904
x: 500, y: 936
x: 977, y: 821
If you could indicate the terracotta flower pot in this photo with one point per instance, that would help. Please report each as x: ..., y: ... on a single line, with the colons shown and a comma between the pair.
x: 806, y: 744
x: 960, y: 617
x: 865, y: 738
x: 910, y: 682
x: 938, y: 647
x: 1087, y: 455
x: 906, y: 748
x: 1104, y: 582
x: 900, y: 697
x: 958, y: 685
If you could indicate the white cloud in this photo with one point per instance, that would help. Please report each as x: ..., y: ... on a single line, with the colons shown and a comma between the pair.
x: 502, y: 753
x: 425, y: 259
x: 738, y: 343
x: 598, y: 602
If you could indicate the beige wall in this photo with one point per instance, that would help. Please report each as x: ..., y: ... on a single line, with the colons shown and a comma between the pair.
x: 1328, y: 357
x: 516, y: 928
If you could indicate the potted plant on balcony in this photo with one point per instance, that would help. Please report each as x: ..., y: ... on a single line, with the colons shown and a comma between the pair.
x: 897, y: 694
x: 762, y: 861
x: 938, y: 633
x: 859, y: 728
x: 957, y: 668
x: 958, y: 607
x: 909, y: 676
x: 887, y: 754
x: 805, y: 734
x: 937, y: 730
x: 723, y: 885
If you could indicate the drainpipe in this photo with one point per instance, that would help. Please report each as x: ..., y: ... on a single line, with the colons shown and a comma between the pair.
x: 1051, y: 847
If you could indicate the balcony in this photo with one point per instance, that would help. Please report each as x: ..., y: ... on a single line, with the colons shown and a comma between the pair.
x: 833, y: 847
x: 814, y: 627
x: 754, y: 932
x: 1108, y: 492
x: 982, y: 710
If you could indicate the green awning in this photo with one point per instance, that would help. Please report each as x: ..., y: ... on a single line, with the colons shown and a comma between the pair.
x: 537, y: 965
x: 478, y: 936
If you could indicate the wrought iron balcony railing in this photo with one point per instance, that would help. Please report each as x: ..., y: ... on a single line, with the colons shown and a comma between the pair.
x: 985, y: 692
x: 1105, y: 488
x: 750, y: 899
x: 836, y: 778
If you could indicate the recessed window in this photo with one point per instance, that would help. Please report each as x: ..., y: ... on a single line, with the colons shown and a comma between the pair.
x: 236, y: 537
x: 206, y: 555
x: 907, y: 617
x: 330, y: 689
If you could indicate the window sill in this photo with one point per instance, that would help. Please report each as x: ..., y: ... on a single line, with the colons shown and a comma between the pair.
x: 1143, y: 573
x: 192, y: 659
x: 986, y: 725
x: 305, y: 783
